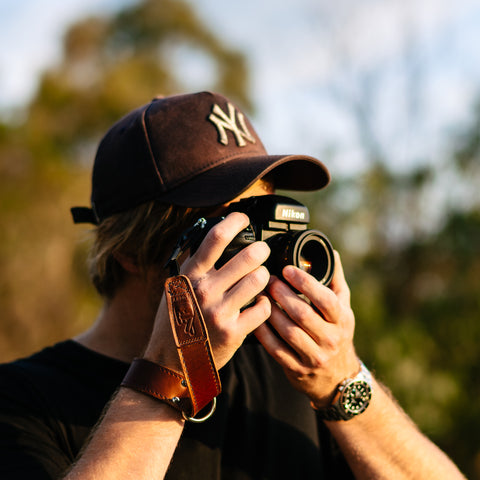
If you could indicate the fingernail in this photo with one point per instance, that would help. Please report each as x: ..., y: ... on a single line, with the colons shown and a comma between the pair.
x: 288, y: 271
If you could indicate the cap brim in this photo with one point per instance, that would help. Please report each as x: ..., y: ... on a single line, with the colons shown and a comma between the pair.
x: 226, y: 181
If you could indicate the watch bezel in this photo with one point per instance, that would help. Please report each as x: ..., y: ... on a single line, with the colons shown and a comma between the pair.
x: 340, y: 408
x: 345, y: 402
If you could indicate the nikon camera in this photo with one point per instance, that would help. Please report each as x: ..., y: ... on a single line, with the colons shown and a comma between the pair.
x: 283, y: 224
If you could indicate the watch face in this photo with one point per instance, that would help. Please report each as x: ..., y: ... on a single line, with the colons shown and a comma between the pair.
x: 356, y: 397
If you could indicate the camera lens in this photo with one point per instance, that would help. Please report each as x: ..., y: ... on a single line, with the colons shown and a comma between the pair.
x: 309, y: 250
x: 314, y: 254
x: 305, y: 265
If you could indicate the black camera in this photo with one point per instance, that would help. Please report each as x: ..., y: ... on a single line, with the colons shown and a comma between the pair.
x: 282, y: 223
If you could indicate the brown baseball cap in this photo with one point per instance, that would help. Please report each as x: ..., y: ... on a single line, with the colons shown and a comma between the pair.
x: 193, y: 150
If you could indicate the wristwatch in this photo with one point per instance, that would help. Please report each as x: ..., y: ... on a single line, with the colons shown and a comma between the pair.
x: 351, y: 399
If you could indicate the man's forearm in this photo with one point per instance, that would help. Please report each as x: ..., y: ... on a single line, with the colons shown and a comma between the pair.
x: 383, y: 442
x: 136, y: 439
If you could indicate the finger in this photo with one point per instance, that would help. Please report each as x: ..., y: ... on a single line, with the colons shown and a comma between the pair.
x: 322, y: 298
x: 247, y: 288
x: 276, y: 347
x: 227, y: 333
x: 254, y: 316
x: 243, y: 263
x: 297, y: 337
x: 296, y: 310
x: 338, y: 284
x: 217, y: 239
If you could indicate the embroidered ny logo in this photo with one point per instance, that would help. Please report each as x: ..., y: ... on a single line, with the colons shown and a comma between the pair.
x: 225, y: 122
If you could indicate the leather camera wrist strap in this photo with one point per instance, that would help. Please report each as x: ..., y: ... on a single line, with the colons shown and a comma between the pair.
x: 200, y: 383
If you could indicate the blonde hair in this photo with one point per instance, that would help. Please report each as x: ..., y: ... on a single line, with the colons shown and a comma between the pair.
x: 145, y: 234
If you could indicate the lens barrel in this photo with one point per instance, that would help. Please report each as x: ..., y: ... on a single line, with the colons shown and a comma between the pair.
x: 309, y: 250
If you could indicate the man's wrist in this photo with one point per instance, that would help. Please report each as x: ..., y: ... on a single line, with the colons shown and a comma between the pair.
x: 352, y: 397
x: 146, y: 408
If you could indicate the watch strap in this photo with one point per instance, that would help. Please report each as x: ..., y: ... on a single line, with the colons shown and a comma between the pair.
x: 330, y: 413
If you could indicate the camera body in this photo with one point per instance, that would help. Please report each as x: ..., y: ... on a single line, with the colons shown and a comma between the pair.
x: 282, y: 223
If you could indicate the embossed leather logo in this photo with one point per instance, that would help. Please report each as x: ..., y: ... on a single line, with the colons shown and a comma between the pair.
x: 224, y: 121
x: 184, y: 314
x: 183, y: 308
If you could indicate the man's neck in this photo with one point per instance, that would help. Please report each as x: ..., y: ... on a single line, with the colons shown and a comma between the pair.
x: 124, y: 324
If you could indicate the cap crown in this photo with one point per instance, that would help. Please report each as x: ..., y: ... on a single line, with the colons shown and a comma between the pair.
x: 194, y: 150
x: 165, y: 143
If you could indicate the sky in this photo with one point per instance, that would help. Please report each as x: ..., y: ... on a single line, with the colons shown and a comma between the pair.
x: 411, y: 67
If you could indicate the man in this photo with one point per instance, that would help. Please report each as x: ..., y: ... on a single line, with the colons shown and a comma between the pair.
x: 283, y: 358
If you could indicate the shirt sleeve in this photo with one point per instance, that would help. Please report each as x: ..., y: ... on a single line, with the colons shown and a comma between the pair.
x: 30, y: 437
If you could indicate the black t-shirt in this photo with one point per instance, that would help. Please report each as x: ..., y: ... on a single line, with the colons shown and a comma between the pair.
x: 262, y: 428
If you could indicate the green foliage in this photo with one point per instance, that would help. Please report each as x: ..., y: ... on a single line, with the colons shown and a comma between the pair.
x: 416, y: 294
x: 414, y: 281
x: 110, y: 65
x: 415, y: 288
x: 426, y: 334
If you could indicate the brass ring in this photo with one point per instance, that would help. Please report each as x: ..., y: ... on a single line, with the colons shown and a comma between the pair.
x: 202, y: 419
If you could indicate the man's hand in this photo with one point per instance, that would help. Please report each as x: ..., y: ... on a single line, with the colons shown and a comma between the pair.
x: 312, y: 342
x: 221, y: 295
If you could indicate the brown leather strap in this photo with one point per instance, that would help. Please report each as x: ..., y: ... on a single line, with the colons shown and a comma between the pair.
x: 159, y: 382
x: 193, y: 345
x: 200, y: 382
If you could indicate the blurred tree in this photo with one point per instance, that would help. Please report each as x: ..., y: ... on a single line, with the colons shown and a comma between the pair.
x: 413, y: 271
x: 109, y: 66
x: 410, y: 243
x: 112, y: 65
x: 417, y: 311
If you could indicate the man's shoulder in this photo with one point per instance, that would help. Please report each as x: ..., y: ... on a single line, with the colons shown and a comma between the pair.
x: 52, y: 362
x: 24, y: 373
x: 58, y: 373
